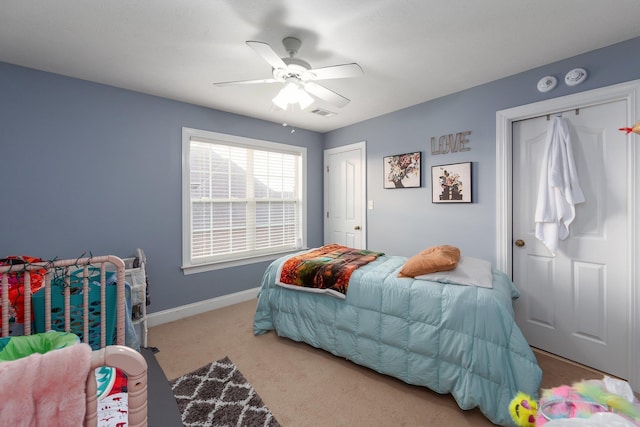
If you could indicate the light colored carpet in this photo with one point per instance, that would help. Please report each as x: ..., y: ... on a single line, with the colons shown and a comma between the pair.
x: 305, y: 386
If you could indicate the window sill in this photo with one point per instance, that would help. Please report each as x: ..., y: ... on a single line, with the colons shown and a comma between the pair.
x: 202, y: 268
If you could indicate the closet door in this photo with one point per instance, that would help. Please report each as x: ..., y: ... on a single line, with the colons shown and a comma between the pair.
x: 576, y: 304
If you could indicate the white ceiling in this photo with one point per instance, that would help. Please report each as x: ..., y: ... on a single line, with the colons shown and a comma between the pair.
x: 411, y: 51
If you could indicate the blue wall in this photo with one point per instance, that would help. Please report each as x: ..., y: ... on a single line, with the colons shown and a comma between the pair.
x: 405, y: 221
x: 94, y: 168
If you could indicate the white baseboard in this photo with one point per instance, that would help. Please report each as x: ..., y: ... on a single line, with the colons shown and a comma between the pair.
x: 177, y: 313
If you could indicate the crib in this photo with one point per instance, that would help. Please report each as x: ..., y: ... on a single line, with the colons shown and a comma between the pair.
x: 111, y: 350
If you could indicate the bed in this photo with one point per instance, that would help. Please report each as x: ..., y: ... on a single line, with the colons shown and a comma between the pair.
x: 32, y: 292
x: 451, y: 338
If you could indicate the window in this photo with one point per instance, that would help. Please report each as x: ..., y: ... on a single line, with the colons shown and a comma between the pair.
x: 242, y: 200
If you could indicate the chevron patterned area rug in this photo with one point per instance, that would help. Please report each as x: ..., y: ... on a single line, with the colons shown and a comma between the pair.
x: 218, y: 395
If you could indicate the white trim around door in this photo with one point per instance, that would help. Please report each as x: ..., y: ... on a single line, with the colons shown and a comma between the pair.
x: 630, y: 92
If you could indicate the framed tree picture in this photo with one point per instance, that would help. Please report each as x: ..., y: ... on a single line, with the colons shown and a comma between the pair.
x: 403, y: 170
x: 451, y: 183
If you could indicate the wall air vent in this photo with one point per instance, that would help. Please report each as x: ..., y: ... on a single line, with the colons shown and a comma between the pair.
x: 324, y: 113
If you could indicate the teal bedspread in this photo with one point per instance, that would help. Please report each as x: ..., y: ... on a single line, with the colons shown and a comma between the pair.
x: 453, y: 339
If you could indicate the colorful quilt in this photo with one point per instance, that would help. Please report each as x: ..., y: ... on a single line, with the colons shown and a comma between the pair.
x: 324, y: 270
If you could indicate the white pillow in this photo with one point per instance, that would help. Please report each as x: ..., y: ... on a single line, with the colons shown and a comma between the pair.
x: 469, y: 272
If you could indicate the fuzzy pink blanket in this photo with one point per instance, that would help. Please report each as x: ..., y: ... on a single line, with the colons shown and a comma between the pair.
x: 45, y: 389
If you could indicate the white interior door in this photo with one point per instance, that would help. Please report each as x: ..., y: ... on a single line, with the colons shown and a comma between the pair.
x: 576, y: 304
x: 344, y: 196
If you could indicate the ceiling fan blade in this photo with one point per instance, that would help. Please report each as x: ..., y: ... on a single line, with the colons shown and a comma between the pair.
x: 335, y: 72
x: 268, y: 54
x: 246, y: 82
x: 326, y: 94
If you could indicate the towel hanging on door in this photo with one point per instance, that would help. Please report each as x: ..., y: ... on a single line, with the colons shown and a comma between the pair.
x: 558, y: 190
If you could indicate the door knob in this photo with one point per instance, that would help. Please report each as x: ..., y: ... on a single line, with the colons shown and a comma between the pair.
x: 357, y: 227
x: 519, y: 243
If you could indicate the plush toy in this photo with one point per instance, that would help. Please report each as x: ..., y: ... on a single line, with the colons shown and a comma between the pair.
x: 595, y: 391
x: 634, y: 129
x: 582, y: 400
x: 565, y: 402
x: 523, y: 410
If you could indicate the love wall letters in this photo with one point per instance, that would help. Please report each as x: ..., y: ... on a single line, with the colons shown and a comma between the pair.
x: 450, y: 143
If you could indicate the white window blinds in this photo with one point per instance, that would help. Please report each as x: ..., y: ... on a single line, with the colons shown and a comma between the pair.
x: 245, y: 199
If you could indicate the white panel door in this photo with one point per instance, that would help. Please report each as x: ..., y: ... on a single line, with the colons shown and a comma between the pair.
x: 344, y: 196
x: 576, y: 304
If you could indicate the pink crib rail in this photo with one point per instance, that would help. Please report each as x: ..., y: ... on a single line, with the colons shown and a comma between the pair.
x: 135, y: 366
x: 118, y: 356
x: 101, y: 262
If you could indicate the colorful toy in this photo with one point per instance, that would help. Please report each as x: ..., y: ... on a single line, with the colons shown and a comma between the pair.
x: 618, y: 404
x: 523, y: 410
x: 580, y: 400
x: 565, y: 402
x: 634, y: 129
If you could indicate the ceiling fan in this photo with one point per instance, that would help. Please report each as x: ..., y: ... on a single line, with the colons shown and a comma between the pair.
x: 299, y: 76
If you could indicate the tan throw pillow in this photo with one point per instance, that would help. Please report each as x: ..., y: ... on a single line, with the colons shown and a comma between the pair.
x: 431, y: 260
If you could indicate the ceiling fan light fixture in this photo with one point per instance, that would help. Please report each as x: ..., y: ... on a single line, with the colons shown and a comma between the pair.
x: 304, y: 99
x: 281, y: 101
x: 292, y: 93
